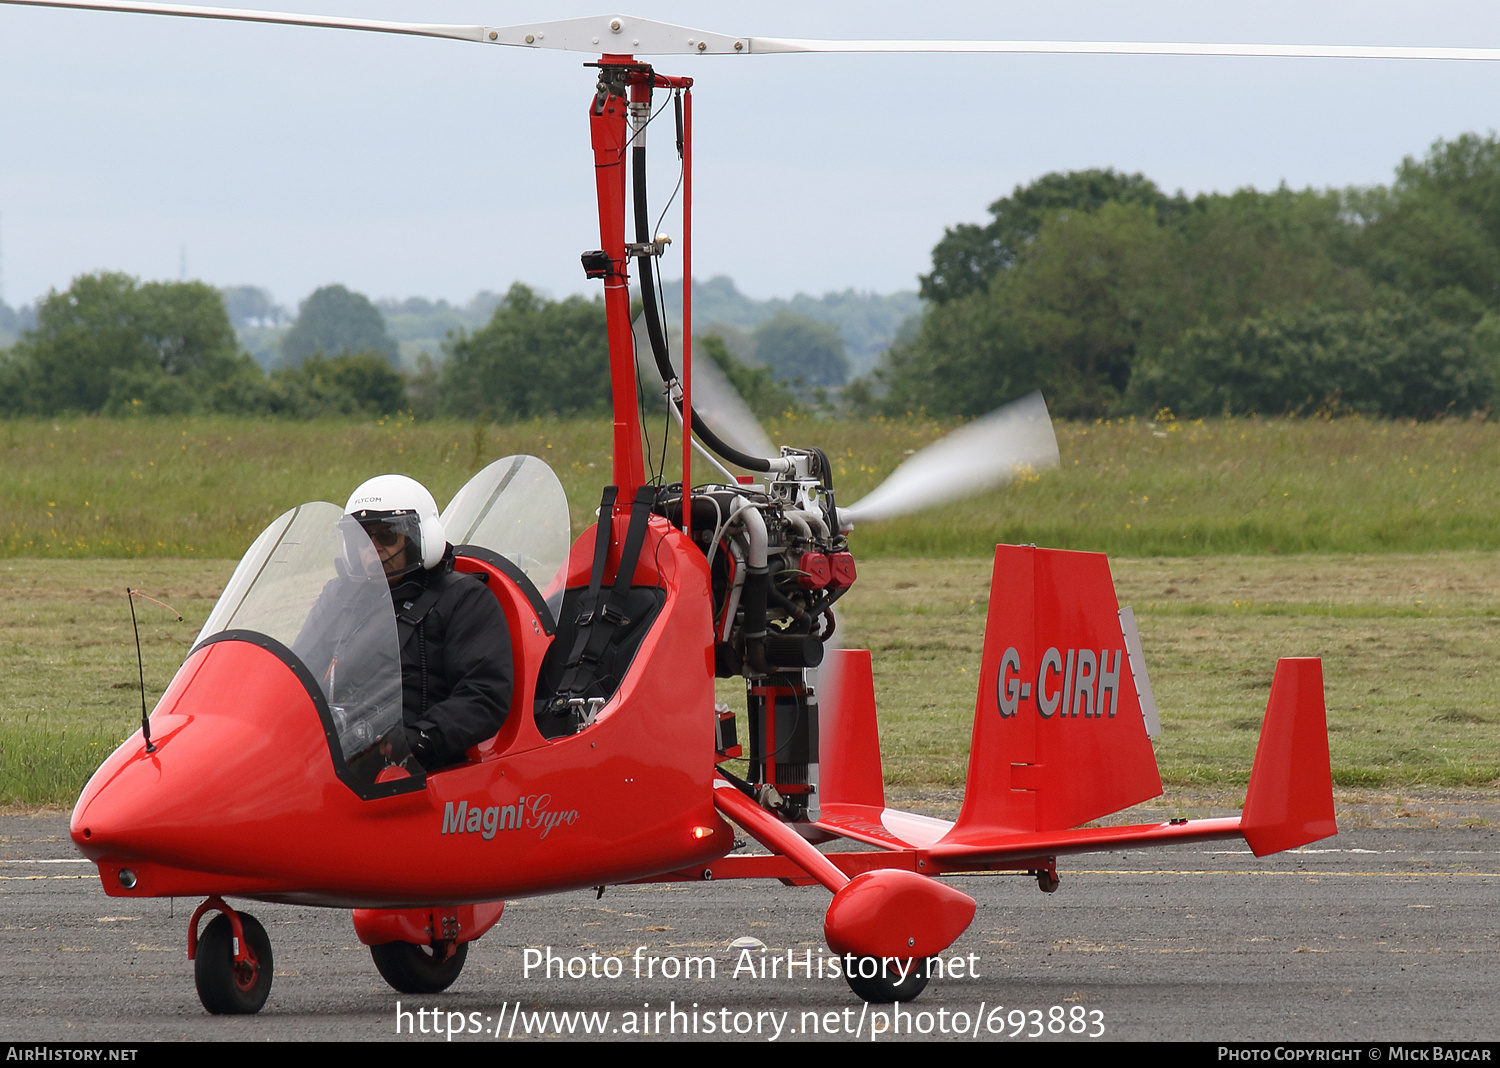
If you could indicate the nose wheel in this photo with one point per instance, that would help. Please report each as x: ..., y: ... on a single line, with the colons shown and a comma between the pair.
x: 233, y: 983
x: 881, y: 983
x: 414, y: 969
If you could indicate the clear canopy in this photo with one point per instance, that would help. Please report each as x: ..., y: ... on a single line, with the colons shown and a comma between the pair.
x: 516, y: 508
x: 313, y: 582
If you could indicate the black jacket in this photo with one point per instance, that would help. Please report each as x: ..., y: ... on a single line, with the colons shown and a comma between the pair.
x: 456, y: 671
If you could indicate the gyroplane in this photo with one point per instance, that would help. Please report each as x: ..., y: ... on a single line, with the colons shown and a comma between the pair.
x: 269, y: 769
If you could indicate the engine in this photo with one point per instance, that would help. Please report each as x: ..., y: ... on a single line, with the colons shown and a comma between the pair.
x: 778, y: 562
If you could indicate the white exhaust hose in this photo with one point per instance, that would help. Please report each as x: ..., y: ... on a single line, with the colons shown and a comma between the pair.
x: 1011, y: 442
x: 741, y: 564
x: 734, y: 593
x: 759, y: 561
x: 759, y: 538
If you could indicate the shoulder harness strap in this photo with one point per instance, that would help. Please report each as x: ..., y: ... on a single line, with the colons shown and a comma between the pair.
x: 410, y: 614
x: 598, y: 622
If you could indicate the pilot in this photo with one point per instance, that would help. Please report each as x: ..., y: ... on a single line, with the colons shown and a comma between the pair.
x: 456, y: 671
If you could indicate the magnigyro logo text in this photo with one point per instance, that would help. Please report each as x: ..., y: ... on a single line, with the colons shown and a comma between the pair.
x: 1069, y: 683
x: 532, y: 813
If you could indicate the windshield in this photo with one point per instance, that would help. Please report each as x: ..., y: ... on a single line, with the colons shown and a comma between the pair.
x: 516, y: 508
x: 313, y: 583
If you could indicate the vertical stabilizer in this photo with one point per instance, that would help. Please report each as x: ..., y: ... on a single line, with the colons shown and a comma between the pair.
x: 1059, y: 737
x: 850, y: 772
x: 1290, y: 800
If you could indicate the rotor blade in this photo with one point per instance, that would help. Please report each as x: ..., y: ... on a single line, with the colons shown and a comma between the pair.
x: 988, y: 452
x: 458, y: 33
x: 715, y: 400
x: 625, y: 34
x: 1130, y: 48
x: 610, y: 34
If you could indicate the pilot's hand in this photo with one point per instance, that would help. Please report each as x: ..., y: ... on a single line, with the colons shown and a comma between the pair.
x: 424, y: 741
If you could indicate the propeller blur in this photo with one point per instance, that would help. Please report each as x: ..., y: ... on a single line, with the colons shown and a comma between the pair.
x: 714, y: 398
x: 1011, y: 442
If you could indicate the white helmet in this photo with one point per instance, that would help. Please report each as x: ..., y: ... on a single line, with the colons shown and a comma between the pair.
x: 404, y: 504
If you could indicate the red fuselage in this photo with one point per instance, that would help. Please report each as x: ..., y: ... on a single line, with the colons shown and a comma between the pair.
x: 241, y: 796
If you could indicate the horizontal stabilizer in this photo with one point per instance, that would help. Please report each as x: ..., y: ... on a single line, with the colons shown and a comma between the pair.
x: 1012, y: 847
x: 1290, y: 800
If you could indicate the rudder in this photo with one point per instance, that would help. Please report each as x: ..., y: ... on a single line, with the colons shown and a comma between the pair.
x: 850, y: 770
x: 1058, y: 736
x: 1290, y: 799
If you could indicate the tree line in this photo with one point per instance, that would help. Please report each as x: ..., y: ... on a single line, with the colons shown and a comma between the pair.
x: 114, y: 346
x: 1112, y: 297
x: 1097, y: 288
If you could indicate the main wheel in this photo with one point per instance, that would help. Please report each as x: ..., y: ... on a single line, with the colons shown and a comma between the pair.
x: 414, y: 969
x: 887, y: 985
x: 224, y: 986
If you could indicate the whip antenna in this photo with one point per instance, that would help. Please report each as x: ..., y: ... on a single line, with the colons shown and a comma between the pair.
x: 140, y: 668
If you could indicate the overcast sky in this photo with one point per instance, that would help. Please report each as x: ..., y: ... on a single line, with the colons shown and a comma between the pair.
x: 291, y: 158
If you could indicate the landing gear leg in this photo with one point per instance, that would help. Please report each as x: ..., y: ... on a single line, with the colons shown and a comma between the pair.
x: 232, y: 964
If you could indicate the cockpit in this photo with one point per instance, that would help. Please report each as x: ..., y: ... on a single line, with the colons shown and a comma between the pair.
x: 312, y: 590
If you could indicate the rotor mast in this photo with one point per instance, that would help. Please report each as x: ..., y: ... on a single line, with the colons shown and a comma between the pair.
x: 618, y: 115
x: 609, y: 131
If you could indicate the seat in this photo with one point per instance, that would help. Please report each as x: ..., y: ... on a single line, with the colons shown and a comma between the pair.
x: 531, y: 629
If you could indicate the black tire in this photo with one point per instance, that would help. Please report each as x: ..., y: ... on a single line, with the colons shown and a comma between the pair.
x: 883, y: 989
x: 227, y: 988
x: 414, y: 969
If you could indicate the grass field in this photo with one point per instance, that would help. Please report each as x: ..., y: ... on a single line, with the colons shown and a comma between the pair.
x: 203, y: 488
x: 1234, y: 539
x: 1407, y: 642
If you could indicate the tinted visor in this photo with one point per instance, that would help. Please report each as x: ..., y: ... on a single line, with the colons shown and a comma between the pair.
x: 387, y: 529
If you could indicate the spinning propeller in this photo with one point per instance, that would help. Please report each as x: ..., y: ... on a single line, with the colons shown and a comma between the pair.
x: 714, y: 397
x: 1009, y: 442
x: 1012, y: 441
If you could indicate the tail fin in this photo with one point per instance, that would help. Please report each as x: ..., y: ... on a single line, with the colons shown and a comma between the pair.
x: 1058, y: 737
x: 849, y: 769
x: 1290, y: 800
